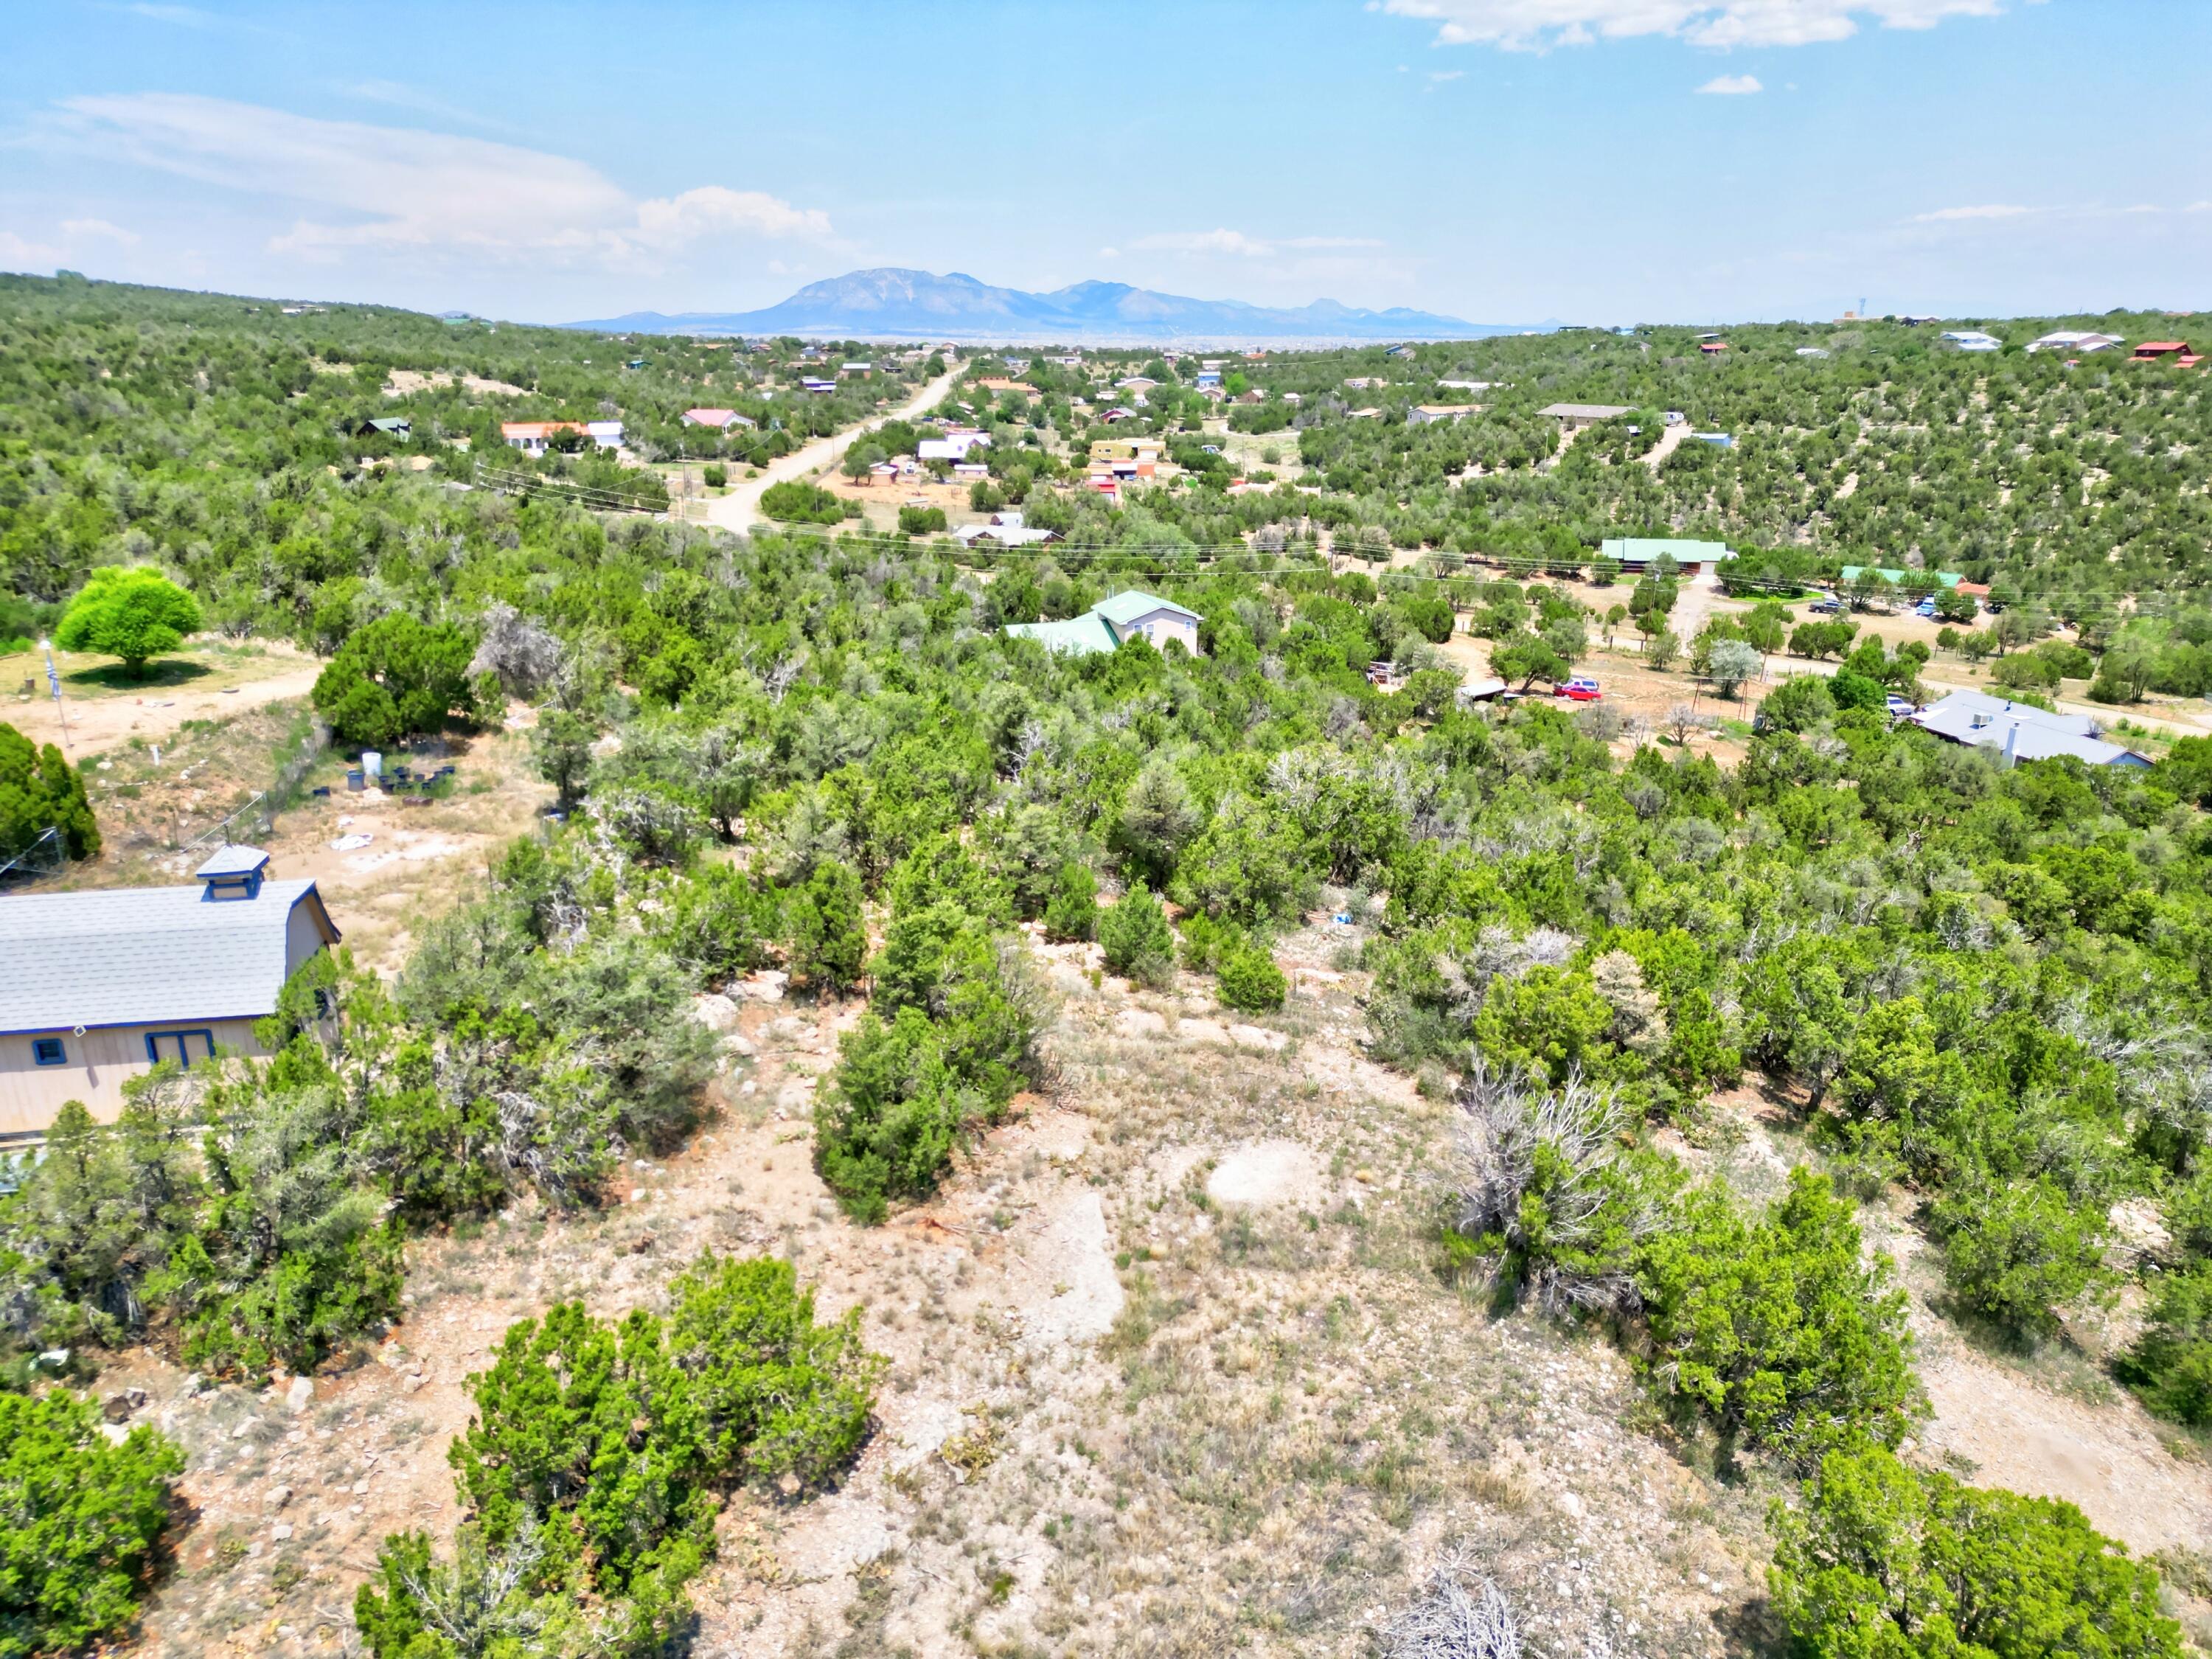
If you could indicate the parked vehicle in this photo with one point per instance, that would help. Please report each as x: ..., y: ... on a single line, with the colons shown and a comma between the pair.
x: 1579, y: 689
x: 1925, y: 608
x: 1900, y: 707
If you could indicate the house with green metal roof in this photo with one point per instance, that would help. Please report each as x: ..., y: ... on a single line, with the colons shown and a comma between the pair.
x: 1940, y: 578
x: 1132, y: 615
x: 1638, y: 552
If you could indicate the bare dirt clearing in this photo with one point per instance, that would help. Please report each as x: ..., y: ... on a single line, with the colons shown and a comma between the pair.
x: 401, y: 381
x: 105, y: 709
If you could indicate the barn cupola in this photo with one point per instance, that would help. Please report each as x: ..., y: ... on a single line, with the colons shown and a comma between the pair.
x: 235, y: 872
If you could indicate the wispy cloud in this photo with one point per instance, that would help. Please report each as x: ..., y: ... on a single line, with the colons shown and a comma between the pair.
x: 398, y: 96
x: 74, y: 239
x: 1732, y: 85
x: 1446, y: 75
x: 1235, y: 243
x: 180, y: 16
x: 1539, y: 25
x: 97, y: 230
x: 1986, y: 211
x: 396, y: 188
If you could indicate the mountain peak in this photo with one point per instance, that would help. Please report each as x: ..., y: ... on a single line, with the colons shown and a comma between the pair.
x: 894, y: 302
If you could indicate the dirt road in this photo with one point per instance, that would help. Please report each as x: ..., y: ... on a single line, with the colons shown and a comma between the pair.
x: 739, y: 510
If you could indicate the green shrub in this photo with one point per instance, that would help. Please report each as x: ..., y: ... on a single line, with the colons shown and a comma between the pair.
x: 2170, y: 1365
x: 1250, y: 980
x: 722, y: 921
x: 2017, y: 1251
x: 828, y: 928
x: 398, y: 678
x: 891, y: 1114
x: 80, y: 1520
x: 1137, y: 941
x: 715, y: 475
x: 39, y: 791
x: 1072, y: 912
x: 1883, y: 1562
x: 1780, y: 1328
x: 795, y: 501
x: 920, y: 521
x: 592, y: 1469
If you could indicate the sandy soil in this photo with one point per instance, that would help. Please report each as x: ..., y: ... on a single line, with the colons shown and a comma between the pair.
x: 401, y: 381
x: 104, y: 712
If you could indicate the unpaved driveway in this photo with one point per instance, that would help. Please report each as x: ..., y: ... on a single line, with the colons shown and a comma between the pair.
x: 739, y: 510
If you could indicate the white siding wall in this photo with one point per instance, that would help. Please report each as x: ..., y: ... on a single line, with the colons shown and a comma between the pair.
x: 100, y: 1063
x: 1161, y: 626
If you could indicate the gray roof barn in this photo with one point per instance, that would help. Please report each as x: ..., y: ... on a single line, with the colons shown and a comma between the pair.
x: 221, y: 949
x: 2022, y: 732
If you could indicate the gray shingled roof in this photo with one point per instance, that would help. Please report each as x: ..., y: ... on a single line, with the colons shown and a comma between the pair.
x: 1987, y: 722
x: 145, y: 955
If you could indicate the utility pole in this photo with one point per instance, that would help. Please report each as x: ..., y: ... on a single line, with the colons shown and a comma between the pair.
x: 54, y: 683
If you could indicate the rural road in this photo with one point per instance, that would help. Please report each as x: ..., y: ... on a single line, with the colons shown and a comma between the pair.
x: 739, y: 510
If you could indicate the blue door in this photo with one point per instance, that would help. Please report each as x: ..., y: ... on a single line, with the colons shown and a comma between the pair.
x: 183, y: 1046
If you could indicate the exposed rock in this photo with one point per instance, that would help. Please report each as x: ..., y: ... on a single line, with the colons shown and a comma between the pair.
x: 766, y: 986
x: 302, y: 1391
x: 715, y: 1012
x: 277, y: 1497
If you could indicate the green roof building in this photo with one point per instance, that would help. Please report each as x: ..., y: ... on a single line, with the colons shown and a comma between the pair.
x: 1103, y: 627
x: 1636, y: 552
x: 1940, y: 578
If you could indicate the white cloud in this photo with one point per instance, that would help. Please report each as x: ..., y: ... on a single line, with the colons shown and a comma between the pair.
x: 74, y: 239
x: 398, y: 188
x: 399, y: 95
x: 21, y: 253
x: 1235, y: 243
x: 1446, y: 75
x: 97, y: 230
x: 1732, y: 85
x: 1987, y: 211
x: 1109, y: 253
x: 1538, y: 25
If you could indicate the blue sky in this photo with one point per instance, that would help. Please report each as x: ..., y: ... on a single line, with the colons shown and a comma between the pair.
x: 1502, y: 160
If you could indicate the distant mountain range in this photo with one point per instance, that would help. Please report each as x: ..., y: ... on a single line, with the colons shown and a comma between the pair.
x: 891, y: 304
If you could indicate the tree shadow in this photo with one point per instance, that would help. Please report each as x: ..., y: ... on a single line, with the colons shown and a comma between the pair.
x: 1995, y: 1338
x: 1752, y: 1628
x: 162, y: 673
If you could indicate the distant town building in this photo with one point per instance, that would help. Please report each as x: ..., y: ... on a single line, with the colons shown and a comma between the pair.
x: 535, y: 437
x: 2078, y: 342
x: 1572, y: 417
x: 1425, y: 414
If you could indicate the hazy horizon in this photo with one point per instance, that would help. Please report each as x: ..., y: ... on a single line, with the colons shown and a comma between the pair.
x: 1494, y: 160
